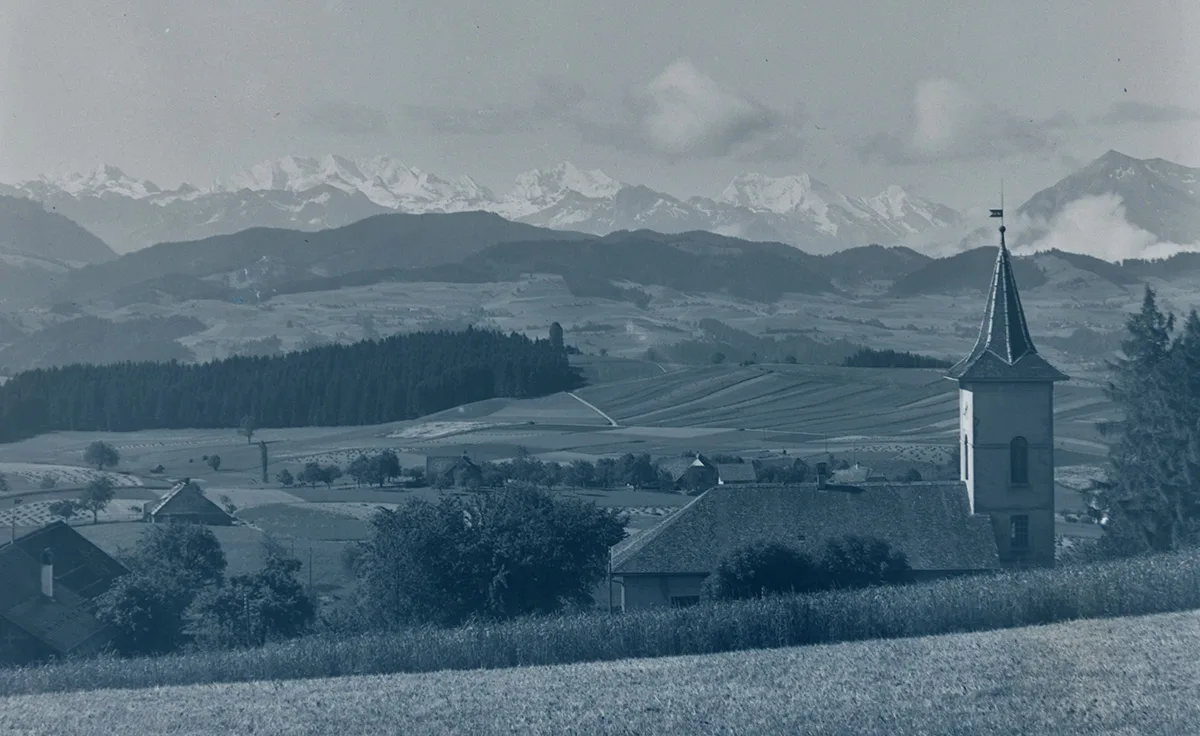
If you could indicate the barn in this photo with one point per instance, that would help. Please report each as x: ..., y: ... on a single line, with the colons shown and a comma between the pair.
x: 185, y: 502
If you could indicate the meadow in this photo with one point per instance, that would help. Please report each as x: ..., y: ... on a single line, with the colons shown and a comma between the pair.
x: 1051, y: 679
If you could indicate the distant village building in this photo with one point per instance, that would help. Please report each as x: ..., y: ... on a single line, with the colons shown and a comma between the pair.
x: 698, y: 472
x: 452, y: 471
x: 49, y: 581
x: 1000, y: 513
x: 186, y: 503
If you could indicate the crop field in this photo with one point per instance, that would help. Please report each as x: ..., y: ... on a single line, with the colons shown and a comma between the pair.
x: 1047, y: 679
x: 34, y: 475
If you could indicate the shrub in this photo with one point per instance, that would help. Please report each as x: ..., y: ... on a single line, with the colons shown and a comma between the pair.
x: 760, y: 569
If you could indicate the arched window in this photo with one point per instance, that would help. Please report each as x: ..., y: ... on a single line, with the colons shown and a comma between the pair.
x: 1018, y: 461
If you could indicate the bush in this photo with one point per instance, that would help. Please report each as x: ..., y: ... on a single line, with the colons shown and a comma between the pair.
x: 760, y: 569
x: 510, y: 552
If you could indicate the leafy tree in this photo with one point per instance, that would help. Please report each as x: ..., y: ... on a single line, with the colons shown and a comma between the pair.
x: 96, y: 496
x: 169, y: 567
x: 581, y: 473
x: 388, y: 466
x: 102, y: 455
x: 329, y: 474
x: 63, y: 508
x: 4, y: 485
x: 146, y: 609
x: 188, y: 551
x: 285, y: 479
x: 250, y: 610
x: 311, y: 475
x: 860, y: 562
x: 247, y: 428
x: 718, y: 358
x: 48, y: 482
x: 912, y: 475
x: 760, y: 569
x: 214, y: 462
x: 360, y: 470
x: 511, y: 552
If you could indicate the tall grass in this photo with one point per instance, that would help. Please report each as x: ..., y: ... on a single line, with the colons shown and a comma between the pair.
x: 1140, y: 586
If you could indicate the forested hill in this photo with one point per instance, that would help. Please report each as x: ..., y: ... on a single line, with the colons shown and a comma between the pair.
x: 400, y: 377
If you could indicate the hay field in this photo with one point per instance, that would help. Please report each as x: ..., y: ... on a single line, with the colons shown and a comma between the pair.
x: 1039, y: 680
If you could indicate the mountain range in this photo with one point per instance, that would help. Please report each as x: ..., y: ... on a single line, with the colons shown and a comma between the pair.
x: 319, y: 193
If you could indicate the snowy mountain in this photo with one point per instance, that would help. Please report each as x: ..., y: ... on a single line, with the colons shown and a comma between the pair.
x: 318, y: 193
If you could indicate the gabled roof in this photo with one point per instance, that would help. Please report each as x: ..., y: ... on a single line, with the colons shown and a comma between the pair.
x: 185, y: 492
x: 1004, y: 350
x: 736, y: 473
x: 82, y: 572
x: 929, y: 521
x: 676, y: 467
x: 78, y: 563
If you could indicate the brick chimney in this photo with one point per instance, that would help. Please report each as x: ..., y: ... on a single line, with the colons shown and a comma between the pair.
x: 48, y: 573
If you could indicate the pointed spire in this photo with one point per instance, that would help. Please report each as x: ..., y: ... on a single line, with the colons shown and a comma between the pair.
x: 1004, y: 349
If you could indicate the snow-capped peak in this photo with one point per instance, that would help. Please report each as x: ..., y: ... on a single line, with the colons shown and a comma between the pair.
x: 382, y: 179
x: 778, y: 194
x: 891, y: 202
x: 541, y: 184
x: 105, y: 178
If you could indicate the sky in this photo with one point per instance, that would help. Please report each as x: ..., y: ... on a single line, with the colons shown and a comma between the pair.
x: 943, y: 97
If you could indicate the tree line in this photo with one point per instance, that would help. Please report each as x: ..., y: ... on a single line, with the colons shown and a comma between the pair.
x: 370, y: 382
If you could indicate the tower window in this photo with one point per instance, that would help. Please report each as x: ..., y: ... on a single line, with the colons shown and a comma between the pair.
x: 1018, y: 461
x: 1018, y: 531
x: 966, y: 458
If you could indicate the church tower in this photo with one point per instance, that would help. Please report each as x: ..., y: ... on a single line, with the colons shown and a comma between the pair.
x: 1006, y: 425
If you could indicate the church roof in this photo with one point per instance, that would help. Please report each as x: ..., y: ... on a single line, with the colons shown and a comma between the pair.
x: 930, y: 522
x: 1004, y: 350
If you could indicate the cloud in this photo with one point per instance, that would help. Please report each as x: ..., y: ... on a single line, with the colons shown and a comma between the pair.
x: 345, y: 118
x: 1097, y: 226
x: 683, y: 113
x: 950, y: 123
x: 680, y: 113
x: 1123, y: 112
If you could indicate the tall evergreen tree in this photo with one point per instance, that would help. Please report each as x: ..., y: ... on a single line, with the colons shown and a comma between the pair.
x: 1152, y: 496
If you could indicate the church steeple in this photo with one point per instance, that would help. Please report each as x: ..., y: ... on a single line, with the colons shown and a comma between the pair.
x: 1004, y: 350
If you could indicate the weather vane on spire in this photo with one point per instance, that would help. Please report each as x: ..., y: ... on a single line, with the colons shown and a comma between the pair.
x: 1000, y: 213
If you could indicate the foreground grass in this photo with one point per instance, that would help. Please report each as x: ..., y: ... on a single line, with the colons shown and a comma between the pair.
x: 1120, y: 676
x: 1159, y: 584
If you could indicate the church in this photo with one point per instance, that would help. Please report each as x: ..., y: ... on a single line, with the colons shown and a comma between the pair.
x: 998, y: 514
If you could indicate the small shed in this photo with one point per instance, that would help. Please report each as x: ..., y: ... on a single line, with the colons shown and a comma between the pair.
x: 185, y: 502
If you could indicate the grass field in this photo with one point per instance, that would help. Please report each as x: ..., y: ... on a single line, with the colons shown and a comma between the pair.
x: 1049, y: 680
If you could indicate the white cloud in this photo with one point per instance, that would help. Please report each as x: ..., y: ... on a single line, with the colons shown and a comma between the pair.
x: 949, y: 122
x: 1097, y: 226
x: 682, y: 112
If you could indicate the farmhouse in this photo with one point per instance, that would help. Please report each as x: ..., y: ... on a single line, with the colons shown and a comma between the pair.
x: 49, y: 579
x: 452, y: 470
x: 185, y: 502
x: 1000, y: 513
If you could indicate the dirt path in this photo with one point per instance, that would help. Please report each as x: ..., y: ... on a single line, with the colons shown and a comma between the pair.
x: 612, y: 422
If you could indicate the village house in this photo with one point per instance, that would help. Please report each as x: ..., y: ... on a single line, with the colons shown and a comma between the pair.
x: 698, y: 472
x: 185, y: 503
x: 1000, y: 513
x: 49, y: 581
x: 448, y: 471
